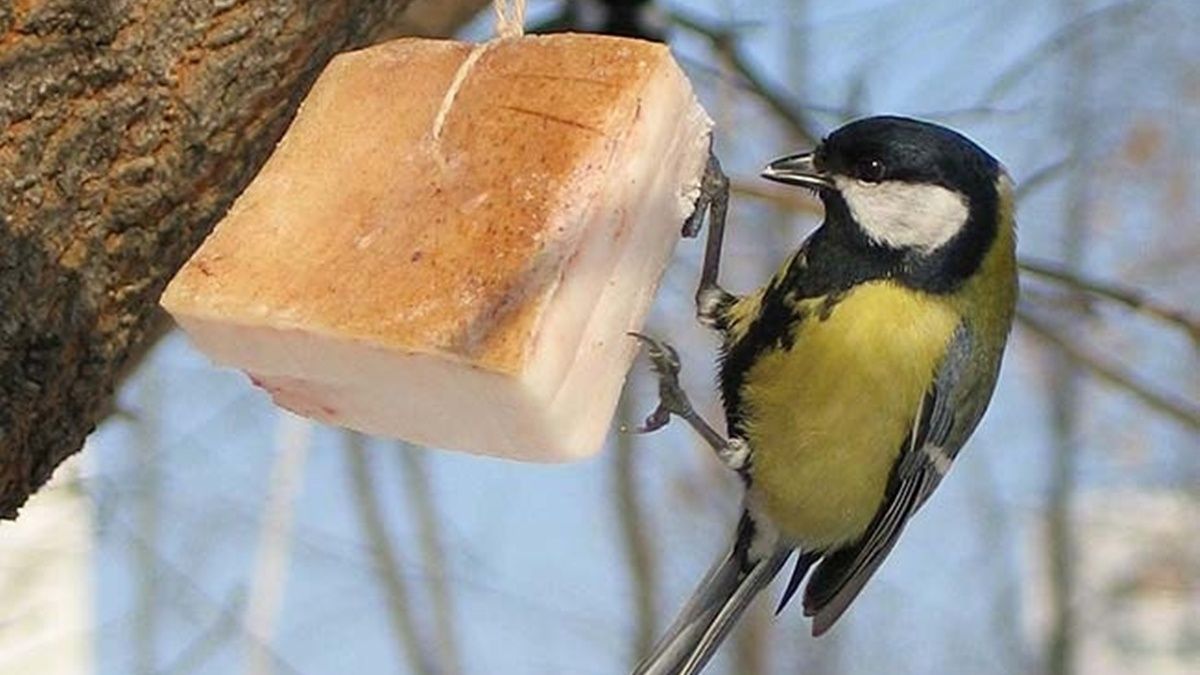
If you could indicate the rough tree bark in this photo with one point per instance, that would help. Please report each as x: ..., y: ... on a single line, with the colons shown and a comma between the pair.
x: 126, y: 129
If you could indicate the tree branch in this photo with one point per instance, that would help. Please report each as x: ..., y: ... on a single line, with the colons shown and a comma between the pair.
x: 632, y: 518
x: 433, y: 558
x: 1130, y: 297
x: 1180, y: 410
x: 385, y: 563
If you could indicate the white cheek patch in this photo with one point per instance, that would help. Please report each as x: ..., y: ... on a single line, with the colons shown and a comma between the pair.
x: 905, y: 215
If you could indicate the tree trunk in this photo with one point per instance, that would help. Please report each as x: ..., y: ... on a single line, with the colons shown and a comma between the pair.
x: 127, y: 127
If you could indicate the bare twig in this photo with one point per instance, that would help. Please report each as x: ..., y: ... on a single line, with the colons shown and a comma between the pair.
x: 385, y: 562
x: 633, y: 522
x: 724, y: 41
x: 1130, y: 297
x: 699, y: 66
x: 1182, y: 411
x: 420, y: 498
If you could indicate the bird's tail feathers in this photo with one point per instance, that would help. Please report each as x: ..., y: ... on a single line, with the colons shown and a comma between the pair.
x: 713, y: 610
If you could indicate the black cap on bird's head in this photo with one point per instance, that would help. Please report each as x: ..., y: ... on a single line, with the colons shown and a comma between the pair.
x: 910, y: 187
x: 884, y: 148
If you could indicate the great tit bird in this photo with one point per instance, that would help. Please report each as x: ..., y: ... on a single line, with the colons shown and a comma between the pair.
x: 852, y: 379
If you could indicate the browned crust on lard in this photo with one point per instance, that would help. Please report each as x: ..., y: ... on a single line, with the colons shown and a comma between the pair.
x: 436, y: 213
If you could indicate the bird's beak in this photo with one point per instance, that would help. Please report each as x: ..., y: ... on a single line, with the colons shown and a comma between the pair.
x: 798, y: 170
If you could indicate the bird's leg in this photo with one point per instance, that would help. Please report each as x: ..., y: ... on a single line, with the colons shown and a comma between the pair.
x: 713, y: 202
x: 673, y: 400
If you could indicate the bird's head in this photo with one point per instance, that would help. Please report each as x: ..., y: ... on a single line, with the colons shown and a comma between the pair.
x: 907, y: 185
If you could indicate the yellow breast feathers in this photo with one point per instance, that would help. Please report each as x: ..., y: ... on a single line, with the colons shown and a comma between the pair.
x: 827, y: 418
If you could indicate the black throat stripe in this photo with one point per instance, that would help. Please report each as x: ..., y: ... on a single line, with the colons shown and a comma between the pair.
x: 836, y: 258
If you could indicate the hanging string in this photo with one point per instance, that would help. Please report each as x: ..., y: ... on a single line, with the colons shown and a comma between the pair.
x: 510, y: 18
x: 510, y: 23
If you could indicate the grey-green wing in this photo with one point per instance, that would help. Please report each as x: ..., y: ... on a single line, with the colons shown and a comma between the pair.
x: 949, y: 414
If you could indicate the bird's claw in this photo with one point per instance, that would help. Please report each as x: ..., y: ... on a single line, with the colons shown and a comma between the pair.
x: 654, y: 421
x: 663, y: 357
x: 672, y: 400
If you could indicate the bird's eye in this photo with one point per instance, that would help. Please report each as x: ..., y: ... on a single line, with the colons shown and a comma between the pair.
x: 872, y: 171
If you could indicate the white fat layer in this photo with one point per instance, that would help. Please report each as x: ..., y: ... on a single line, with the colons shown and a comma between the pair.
x: 905, y: 215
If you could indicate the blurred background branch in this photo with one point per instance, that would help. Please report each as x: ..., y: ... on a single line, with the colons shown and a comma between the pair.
x: 726, y: 45
x: 635, y: 536
x: 433, y: 558
x: 1133, y: 298
x: 1071, y: 347
x: 1064, y: 381
x: 385, y: 563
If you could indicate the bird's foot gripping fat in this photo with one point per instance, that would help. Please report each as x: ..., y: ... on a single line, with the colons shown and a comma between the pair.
x: 713, y: 202
x: 673, y: 400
